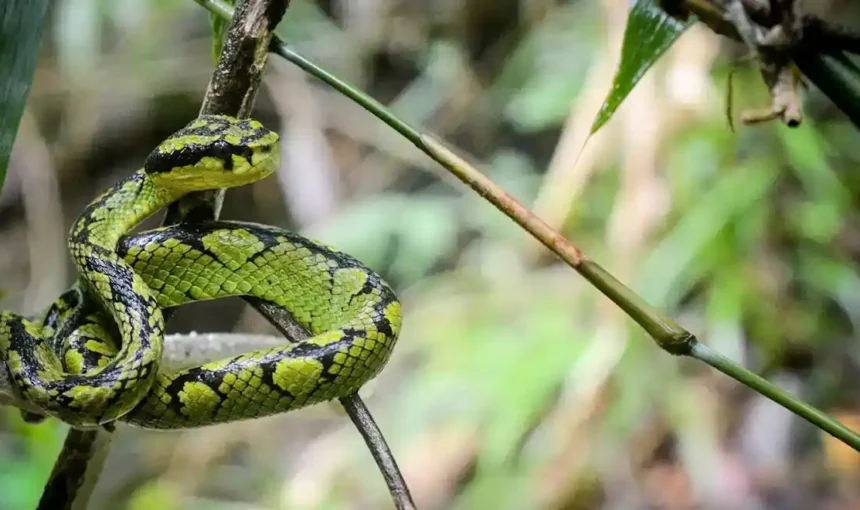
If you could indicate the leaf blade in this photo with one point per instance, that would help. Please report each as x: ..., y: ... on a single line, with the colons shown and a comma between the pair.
x: 20, y: 37
x: 648, y: 34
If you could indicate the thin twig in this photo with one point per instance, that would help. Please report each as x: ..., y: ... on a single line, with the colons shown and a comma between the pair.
x: 354, y: 407
x: 366, y: 425
x: 775, y: 393
x: 820, y: 53
x: 666, y: 332
x: 76, y: 470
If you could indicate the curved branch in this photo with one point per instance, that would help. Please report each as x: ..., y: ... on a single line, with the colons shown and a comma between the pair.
x: 354, y: 407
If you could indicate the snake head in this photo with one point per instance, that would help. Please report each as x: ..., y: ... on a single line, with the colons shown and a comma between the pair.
x: 214, y: 151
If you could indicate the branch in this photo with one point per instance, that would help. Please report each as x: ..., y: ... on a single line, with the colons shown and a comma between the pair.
x: 76, y: 470
x: 232, y: 90
x: 354, y: 407
x: 830, y: 37
x: 818, y: 47
x: 180, y: 351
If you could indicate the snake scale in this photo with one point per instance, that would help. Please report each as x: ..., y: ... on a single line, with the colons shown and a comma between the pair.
x: 79, y: 375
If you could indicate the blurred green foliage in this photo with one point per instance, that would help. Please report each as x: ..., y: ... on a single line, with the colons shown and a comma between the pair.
x: 28, y: 453
x: 522, y: 386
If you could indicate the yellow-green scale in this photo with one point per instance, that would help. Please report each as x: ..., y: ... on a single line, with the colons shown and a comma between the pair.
x: 338, y: 301
x: 211, y: 152
x: 353, y: 315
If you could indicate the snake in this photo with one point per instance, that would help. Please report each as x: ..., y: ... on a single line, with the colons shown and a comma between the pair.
x: 79, y: 375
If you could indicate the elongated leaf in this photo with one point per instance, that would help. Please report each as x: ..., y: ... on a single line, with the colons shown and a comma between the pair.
x: 649, y: 33
x: 20, y: 34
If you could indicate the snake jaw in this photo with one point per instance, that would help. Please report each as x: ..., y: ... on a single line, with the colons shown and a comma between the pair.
x: 212, y: 173
x: 214, y: 151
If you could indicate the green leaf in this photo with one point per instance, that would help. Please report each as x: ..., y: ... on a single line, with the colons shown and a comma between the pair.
x: 219, y: 31
x: 649, y: 33
x: 20, y: 34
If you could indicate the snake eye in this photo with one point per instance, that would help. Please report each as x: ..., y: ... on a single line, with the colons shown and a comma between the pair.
x: 223, y: 151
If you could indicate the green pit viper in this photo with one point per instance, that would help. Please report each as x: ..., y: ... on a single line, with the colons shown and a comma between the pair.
x: 78, y: 375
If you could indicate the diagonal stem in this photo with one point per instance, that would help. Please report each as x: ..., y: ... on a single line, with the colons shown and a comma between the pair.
x: 354, y: 407
x: 76, y: 470
x: 668, y: 335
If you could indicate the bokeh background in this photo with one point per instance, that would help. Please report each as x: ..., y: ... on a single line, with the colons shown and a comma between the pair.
x: 514, y: 385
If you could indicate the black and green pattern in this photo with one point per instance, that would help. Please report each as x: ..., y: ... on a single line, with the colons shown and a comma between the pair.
x: 81, y: 377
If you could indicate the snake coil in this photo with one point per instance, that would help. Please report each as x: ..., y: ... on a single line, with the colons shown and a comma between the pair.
x: 68, y: 364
